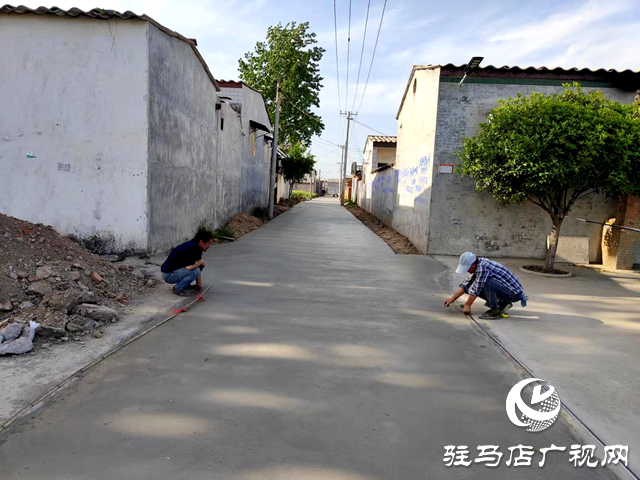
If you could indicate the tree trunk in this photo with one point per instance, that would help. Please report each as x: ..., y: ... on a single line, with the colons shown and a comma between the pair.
x: 550, y: 260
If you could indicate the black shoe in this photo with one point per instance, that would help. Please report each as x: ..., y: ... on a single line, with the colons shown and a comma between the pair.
x: 180, y: 293
x: 505, y: 307
x: 492, y: 314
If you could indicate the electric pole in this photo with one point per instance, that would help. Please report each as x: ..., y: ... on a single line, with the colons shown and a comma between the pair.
x: 274, y: 156
x: 344, y: 163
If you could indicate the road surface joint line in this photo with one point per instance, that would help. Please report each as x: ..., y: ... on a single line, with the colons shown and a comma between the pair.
x: 571, y: 413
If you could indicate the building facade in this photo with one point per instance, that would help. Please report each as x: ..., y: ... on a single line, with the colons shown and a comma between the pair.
x: 440, y: 211
x: 115, y: 128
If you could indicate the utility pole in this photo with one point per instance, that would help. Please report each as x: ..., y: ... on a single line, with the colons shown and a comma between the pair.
x: 344, y: 163
x: 274, y: 156
x: 310, y: 185
x: 340, y: 171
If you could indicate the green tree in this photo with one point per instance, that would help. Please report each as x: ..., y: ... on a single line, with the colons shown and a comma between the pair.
x: 297, y: 163
x: 288, y: 56
x: 553, y: 150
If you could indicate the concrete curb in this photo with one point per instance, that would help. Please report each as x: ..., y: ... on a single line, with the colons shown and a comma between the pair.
x: 187, y: 303
x: 548, y: 275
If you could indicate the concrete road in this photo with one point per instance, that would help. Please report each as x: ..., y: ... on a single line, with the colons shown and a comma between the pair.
x: 318, y: 354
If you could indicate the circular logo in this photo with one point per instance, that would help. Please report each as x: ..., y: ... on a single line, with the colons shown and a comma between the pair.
x: 535, y: 419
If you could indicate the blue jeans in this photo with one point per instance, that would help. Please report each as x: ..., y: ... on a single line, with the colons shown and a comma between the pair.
x: 181, y: 277
x: 496, y: 294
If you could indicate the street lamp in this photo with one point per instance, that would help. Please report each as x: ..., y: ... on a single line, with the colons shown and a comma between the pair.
x: 472, y: 65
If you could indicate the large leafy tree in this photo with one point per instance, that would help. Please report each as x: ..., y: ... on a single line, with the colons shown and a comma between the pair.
x: 297, y: 164
x: 289, y: 56
x: 553, y: 150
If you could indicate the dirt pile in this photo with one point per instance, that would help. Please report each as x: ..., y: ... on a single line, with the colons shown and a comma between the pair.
x: 398, y: 243
x: 49, y: 279
x: 243, y: 223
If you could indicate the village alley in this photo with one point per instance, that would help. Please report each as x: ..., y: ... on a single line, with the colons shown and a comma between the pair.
x: 318, y: 354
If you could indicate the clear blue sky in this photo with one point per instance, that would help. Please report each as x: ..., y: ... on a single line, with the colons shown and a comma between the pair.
x: 566, y: 33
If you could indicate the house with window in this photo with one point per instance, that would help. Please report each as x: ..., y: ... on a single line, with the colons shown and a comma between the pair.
x: 422, y: 197
x: 379, y: 154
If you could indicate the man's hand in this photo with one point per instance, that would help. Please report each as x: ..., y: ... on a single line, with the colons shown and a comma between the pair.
x: 448, y: 302
x: 467, y: 310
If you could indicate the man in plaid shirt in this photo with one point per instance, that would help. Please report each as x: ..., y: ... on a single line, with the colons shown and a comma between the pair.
x: 490, y: 281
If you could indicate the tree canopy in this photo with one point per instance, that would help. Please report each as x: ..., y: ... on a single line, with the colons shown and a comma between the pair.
x: 555, y: 149
x: 297, y: 164
x: 289, y: 55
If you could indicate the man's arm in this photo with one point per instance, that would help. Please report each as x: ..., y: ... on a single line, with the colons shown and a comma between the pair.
x: 195, y: 265
x: 467, y: 306
x: 454, y: 297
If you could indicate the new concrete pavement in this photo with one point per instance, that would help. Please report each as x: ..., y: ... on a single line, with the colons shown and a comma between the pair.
x: 318, y: 354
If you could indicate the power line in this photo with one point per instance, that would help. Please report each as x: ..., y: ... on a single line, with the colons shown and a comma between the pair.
x: 357, y: 142
x: 370, y: 128
x: 346, y: 93
x: 374, y: 55
x: 335, y: 27
x: 364, y: 37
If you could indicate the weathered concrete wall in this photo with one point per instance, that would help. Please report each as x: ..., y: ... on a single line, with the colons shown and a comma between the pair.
x: 383, y: 187
x: 182, y: 142
x: 414, y: 154
x: 75, y: 95
x: 465, y: 220
x: 200, y: 163
x: 254, y: 190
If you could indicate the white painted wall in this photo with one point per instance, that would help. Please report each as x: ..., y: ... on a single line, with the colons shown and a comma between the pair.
x: 76, y: 96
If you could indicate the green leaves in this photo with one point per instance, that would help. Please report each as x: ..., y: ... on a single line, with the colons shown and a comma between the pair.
x: 297, y: 163
x: 552, y: 149
x: 289, y: 56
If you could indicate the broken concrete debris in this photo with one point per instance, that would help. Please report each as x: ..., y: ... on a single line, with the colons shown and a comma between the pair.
x: 11, y: 332
x: 96, y: 312
x: 22, y: 343
x: 53, y: 281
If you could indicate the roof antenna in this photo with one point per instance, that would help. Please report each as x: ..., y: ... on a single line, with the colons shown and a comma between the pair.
x: 472, y: 65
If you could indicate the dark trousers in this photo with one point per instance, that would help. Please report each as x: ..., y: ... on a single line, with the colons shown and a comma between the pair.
x: 496, y: 294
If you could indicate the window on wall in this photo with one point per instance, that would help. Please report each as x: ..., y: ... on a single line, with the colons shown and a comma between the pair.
x: 265, y: 146
x: 252, y: 142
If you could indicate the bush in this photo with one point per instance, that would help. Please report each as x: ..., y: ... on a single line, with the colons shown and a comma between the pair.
x: 299, y: 193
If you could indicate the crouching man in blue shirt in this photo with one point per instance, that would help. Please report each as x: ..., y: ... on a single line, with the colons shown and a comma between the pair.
x: 490, y: 281
x: 184, y: 264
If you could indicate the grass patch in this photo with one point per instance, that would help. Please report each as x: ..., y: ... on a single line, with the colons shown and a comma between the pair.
x: 222, y: 232
x: 303, y: 194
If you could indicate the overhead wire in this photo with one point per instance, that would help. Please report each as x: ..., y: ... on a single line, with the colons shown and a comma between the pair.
x: 370, y: 128
x: 335, y: 27
x: 373, y: 56
x: 346, y: 93
x: 364, y: 37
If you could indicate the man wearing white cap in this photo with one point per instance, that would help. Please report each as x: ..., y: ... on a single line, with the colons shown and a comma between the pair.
x: 490, y: 281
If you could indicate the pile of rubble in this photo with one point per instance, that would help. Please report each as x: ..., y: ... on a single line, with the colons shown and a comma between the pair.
x: 243, y: 223
x: 53, y: 283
